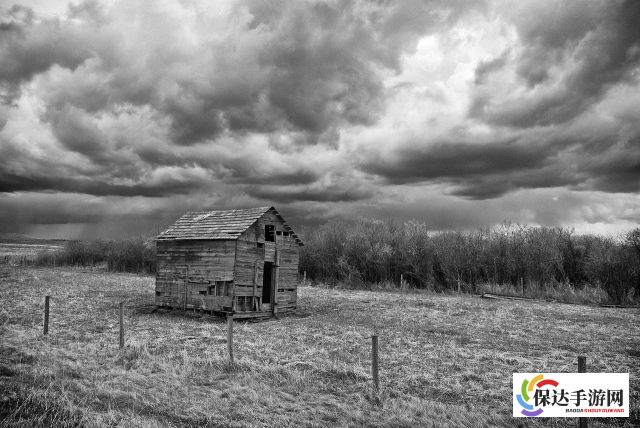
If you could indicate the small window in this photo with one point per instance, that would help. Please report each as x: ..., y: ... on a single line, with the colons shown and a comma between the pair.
x: 279, y: 232
x: 220, y: 288
x: 260, y: 244
x: 269, y: 233
x: 285, y: 233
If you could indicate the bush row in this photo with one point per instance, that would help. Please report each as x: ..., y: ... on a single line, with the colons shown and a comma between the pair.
x: 133, y: 255
x: 373, y: 251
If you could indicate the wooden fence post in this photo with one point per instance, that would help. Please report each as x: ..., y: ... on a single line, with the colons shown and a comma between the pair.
x: 230, y: 336
x: 374, y: 362
x: 582, y: 368
x: 522, y: 286
x: 46, y: 315
x: 184, y: 303
x: 276, y: 284
x: 121, y: 313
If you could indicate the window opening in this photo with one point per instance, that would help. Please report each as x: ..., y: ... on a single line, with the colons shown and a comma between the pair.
x: 269, y: 233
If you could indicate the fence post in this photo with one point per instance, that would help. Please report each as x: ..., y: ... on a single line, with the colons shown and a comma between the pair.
x: 230, y: 336
x: 305, y: 278
x: 46, y: 315
x: 374, y: 362
x: 121, y: 313
x: 184, y: 304
x: 582, y: 368
x: 522, y: 286
x: 458, y: 285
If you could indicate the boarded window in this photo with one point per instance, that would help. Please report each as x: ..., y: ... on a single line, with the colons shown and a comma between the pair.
x: 221, y: 288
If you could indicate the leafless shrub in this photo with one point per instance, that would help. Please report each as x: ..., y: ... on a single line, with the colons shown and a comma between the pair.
x: 133, y: 255
x: 531, y: 260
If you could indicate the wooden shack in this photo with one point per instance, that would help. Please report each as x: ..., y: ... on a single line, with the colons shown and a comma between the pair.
x: 242, y: 262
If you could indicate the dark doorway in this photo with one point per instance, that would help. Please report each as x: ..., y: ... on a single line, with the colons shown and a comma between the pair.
x: 266, y: 282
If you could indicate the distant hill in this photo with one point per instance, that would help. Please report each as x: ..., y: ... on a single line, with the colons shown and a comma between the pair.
x: 21, y: 238
x: 10, y: 236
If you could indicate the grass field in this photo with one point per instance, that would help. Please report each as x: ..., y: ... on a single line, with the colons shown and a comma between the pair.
x: 444, y: 360
x: 10, y: 251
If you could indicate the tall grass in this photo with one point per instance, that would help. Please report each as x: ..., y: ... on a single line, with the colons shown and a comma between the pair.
x: 133, y: 255
x: 539, y: 260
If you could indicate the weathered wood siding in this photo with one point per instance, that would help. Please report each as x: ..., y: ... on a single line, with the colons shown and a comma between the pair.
x: 252, y: 252
x: 227, y: 275
x: 195, y: 274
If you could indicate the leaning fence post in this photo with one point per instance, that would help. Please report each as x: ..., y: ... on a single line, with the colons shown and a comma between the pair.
x: 230, y: 337
x: 374, y: 362
x: 121, y: 313
x: 46, y: 315
x: 582, y: 368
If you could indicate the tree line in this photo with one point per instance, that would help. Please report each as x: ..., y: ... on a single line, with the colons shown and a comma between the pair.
x: 131, y: 255
x: 365, y: 252
x: 374, y: 251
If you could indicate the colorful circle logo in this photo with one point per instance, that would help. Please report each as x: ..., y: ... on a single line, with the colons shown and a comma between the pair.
x: 525, y: 394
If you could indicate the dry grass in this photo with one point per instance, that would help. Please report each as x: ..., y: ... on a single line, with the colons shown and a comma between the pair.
x: 445, y: 360
x: 12, y: 251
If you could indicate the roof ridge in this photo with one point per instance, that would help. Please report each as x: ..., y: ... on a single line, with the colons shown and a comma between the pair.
x: 213, y: 224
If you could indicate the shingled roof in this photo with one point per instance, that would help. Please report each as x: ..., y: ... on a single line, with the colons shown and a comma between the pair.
x: 217, y: 224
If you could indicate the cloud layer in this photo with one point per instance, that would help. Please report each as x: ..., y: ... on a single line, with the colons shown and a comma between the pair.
x: 322, y: 108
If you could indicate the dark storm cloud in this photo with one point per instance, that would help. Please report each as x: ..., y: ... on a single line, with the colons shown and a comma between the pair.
x: 16, y: 183
x: 325, y: 108
x: 306, y: 68
x: 485, y: 68
x: 480, y: 170
x: 609, y: 161
x: 296, y: 177
x: 615, y: 170
x: 597, y: 43
x: 456, y: 159
x: 79, y: 135
x: 309, y: 194
x: 303, y: 66
x: 28, y: 48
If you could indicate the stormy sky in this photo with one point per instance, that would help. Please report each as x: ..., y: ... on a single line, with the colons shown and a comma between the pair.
x: 116, y: 117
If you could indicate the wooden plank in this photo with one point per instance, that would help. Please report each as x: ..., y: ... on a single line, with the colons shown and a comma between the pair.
x: 276, y: 268
x: 230, y: 336
x: 504, y: 297
x: 255, y: 286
